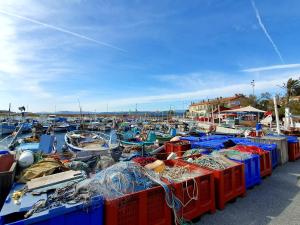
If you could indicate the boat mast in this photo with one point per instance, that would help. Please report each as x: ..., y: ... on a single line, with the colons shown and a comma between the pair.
x: 276, y: 115
x: 80, y: 110
x: 9, y: 108
x: 219, y: 116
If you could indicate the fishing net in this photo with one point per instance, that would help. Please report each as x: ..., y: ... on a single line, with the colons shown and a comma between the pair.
x: 118, y: 180
x: 138, y: 148
x: 249, y: 149
x: 178, y: 173
x: 78, y: 166
x: 104, y: 163
x: 143, y: 161
x: 150, y: 147
x: 236, y: 155
x: 214, y: 162
x: 133, y: 148
x: 67, y: 194
x: 195, y: 151
x: 173, y: 202
x: 89, y: 163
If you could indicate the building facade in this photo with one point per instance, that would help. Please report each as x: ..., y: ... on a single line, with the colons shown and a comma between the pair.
x: 205, y: 108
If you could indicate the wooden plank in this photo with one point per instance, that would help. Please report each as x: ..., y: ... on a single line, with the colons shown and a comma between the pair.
x: 53, y: 179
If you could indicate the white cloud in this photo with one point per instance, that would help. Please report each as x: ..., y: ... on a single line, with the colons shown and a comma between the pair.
x: 269, y: 83
x: 194, y: 80
x: 272, y: 67
x: 26, y: 66
x: 33, y: 56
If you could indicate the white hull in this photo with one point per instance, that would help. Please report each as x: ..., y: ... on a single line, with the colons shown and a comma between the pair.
x: 95, y: 149
x: 60, y: 129
x: 220, y: 129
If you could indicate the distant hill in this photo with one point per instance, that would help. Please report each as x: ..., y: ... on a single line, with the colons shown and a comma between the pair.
x: 177, y: 112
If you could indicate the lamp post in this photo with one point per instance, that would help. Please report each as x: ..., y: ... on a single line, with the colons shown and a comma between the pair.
x: 253, y: 85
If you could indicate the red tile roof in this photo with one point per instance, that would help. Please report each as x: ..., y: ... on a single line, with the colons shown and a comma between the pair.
x: 220, y: 100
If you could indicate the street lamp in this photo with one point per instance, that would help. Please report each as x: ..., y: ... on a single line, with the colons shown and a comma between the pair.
x: 253, y: 85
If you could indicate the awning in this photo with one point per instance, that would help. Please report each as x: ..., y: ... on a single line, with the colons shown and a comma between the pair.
x: 245, y: 109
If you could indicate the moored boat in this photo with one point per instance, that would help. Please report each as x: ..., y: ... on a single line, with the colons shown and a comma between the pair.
x: 90, y: 141
x: 137, y: 141
x: 7, y: 128
x: 61, y: 127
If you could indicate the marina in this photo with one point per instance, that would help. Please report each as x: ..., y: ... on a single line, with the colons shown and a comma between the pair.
x: 149, y: 112
x: 139, y: 155
x: 200, y: 162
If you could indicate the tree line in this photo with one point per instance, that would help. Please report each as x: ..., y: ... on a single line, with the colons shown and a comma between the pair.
x: 265, y: 102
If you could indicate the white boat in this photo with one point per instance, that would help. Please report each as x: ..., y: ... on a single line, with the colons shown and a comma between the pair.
x: 290, y: 122
x: 219, y: 129
x: 61, y: 127
x: 91, y: 141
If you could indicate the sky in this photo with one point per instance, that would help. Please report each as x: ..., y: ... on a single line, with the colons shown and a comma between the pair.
x: 150, y: 55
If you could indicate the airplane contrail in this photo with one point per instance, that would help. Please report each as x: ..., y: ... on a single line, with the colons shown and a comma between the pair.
x: 265, y: 31
x: 61, y: 30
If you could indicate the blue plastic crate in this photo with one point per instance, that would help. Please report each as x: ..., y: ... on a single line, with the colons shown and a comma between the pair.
x: 190, y: 139
x: 290, y: 139
x: 293, y: 141
x: 213, y: 145
x: 217, y: 136
x: 75, y: 214
x: 252, y: 170
x: 240, y: 140
x: 207, y: 138
x: 220, y: 138
x: 272, y: 148
x: 3, y: 152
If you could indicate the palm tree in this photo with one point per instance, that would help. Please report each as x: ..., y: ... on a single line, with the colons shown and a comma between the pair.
x: 292, y: 87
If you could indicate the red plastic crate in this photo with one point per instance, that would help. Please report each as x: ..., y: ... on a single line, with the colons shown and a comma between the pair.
x: 206, y: 193
x: 5, y: 162
x: 178, y: 147
x: 294, y: 151
x: 230, y: 183
x: 265, y: 164
x: 146, y: 207
x: 7, y: 176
